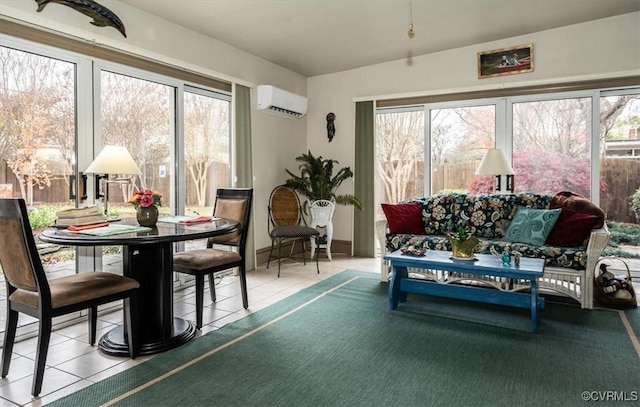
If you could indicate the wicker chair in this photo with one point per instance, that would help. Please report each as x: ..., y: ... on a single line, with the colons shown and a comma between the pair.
x: 29, y: 291
x: 322, y: 216
x: 286, y: 222
x: 231, y: 203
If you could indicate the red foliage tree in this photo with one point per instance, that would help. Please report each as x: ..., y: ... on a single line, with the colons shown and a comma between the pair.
x: 545, y: 173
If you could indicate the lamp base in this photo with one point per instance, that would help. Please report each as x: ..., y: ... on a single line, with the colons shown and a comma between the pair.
x: 509, y: 184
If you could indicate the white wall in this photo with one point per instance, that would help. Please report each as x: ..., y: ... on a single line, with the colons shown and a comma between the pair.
x: 602, y: 48
x: 276, y: 140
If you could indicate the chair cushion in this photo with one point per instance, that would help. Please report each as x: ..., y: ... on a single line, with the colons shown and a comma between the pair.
x: 205, y: 259
x: 294, y: 231
x: 77, y: 288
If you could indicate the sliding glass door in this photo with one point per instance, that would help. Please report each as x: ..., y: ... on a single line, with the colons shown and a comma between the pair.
x: 139, y: 115
x: 207, y: 148
x: 57, y: 111
x: 38, y: 145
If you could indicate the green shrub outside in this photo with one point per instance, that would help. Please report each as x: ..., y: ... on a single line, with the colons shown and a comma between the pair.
x: 622, y: 233
x: 635, y: 201
x: 44, y: 216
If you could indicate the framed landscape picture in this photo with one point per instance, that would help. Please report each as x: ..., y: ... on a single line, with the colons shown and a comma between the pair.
x: 505, y: 61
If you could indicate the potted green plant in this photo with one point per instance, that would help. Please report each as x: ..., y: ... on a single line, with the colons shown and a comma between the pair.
x: 318, y: 181
x: 635, y: 204
x: 463, y: 244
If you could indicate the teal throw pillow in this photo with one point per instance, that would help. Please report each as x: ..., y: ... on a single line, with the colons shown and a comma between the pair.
x: 531, y: 226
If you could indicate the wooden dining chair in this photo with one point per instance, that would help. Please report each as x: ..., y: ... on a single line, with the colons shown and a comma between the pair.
x: 29, y: 291
x: 234, y: 204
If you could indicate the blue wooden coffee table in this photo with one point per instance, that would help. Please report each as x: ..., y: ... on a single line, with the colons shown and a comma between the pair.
x: 450, y: 271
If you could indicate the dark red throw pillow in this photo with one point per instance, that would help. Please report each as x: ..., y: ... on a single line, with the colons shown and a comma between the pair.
x: 578, y: 203
x: 572, y: 228
x: 404, y: 218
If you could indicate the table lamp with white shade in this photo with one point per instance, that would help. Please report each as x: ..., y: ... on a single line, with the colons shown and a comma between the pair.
x: 495, y: 163
x: 110, y: 162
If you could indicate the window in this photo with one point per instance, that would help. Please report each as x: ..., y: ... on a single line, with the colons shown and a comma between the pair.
x: 552, y: 146
x: 37, y: 135
x: 59, y: 108
x: 619, y: 152
x: 585, y: 141
x: 399, y: 154
x: 459, y: 138
x: 138, y: 114
x: 207, y: 148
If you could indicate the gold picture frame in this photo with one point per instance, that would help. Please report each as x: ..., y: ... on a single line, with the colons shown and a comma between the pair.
x: 505, y: 61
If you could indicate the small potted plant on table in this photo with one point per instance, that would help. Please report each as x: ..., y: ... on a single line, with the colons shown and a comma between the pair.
x: 463, y: 244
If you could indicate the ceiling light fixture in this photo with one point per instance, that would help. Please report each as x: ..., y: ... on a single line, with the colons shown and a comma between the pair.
x: 410, y: 33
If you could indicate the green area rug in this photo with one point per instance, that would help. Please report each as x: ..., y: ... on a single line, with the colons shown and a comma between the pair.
x: 338, y: 344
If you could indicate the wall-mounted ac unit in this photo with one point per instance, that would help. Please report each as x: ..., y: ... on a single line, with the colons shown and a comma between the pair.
x: 281, y: 102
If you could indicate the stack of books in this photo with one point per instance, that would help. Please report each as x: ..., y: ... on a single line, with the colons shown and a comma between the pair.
x: 80, y: 216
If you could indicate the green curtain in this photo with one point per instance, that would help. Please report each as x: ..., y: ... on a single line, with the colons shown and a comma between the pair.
x: 244, y: 158
x: 364, y: 223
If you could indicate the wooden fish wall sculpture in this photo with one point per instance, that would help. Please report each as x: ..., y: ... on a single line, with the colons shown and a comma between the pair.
x: 102, y: 16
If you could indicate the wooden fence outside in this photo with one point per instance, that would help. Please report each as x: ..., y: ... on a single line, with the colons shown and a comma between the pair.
x: 622, y: 178
x: 58, y: 192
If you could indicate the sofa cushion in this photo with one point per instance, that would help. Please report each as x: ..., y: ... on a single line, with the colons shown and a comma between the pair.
x: 577, y: 202
x: 440, y: 214
x: 487, y: 215
x: 531, y: 226
x: 572, y: 228
x: 404, y: 217
x: 431, y: 242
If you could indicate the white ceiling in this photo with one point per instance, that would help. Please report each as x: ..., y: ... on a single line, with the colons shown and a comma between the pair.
x: 315, y: 37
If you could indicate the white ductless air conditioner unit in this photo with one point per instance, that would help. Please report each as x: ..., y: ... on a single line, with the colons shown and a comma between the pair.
x: 280, y: 102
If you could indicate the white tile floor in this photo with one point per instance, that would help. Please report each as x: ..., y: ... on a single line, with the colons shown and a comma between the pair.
x: 73, y: 364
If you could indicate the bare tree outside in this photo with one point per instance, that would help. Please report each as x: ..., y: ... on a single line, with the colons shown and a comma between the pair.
x: 37, y: 125
x: 618, y: 114
x: 561, y: 125
x: 459, y: 138
x: 400, y: 154
x: 136, y: 114
x: 206, y: 141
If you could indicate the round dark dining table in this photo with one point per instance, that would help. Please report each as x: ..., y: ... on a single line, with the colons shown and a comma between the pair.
x: 147, y: 258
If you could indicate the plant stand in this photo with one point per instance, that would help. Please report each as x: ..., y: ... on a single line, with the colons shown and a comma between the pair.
x: 322, y: 217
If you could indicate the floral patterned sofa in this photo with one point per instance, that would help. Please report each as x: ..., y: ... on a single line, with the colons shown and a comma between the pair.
x: 571, y: 250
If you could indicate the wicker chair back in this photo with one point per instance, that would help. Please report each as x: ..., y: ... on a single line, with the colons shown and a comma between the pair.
x: 284, y: 207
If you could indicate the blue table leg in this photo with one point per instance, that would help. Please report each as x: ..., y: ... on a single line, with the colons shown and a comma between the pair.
x: 534, y: 305
x: 395, y: 295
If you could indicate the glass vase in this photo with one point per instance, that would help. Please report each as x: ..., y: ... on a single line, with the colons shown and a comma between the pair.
x: 147, y: 216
